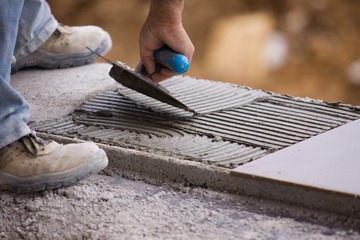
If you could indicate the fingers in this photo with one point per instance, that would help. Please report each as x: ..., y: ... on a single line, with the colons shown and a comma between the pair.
x: 162, y: 74
x: 180, y: 42
x: 155, y: 71
x: 149, y: 62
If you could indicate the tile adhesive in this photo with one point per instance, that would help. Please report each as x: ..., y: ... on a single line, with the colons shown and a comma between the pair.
x: 233, y: 124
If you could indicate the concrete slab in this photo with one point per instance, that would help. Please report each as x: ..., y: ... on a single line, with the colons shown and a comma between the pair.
x: 54, y: 94
x: 328, y: 162
x: 144, y: 135
x: 109, y: 206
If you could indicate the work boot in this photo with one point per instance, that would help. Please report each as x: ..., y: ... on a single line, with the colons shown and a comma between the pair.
x: 67, y: 47
x: 32, y: 164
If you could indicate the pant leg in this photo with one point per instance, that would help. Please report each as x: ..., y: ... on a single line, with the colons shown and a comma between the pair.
x: 36, y: 25
x: 14, y: 110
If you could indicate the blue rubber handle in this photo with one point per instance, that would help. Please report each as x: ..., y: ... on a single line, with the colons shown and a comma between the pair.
x: 174, y: 61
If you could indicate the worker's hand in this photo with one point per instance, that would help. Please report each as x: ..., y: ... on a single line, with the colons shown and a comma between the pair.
x: 163, y: 27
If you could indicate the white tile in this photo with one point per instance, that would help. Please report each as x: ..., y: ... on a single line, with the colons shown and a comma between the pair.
x: 329, y: 161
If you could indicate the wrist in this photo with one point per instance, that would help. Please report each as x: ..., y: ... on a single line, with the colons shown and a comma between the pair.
x: 166, y: 11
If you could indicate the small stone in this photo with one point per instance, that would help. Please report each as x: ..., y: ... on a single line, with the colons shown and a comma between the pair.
x: 34, y: 206
x: 106, y: 196
x: 6, y: 198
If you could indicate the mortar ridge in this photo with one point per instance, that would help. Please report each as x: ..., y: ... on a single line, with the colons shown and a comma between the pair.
x: 251, y: 124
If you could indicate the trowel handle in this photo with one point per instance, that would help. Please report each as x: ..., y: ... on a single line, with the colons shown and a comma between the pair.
x: 174, y: 61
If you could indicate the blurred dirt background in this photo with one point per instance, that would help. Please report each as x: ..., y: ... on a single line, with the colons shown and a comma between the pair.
x: 305, y: 48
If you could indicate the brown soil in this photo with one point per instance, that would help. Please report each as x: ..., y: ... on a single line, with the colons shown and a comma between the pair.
x: 324, y: 39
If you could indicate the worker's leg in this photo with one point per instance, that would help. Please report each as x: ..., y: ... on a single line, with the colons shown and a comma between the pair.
x: 14, y: 110
x: 44, y: 43
x: 28, y: 163
x: 36, y: 25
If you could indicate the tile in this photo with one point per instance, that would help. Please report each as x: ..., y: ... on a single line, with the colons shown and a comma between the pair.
x: 329, y: 161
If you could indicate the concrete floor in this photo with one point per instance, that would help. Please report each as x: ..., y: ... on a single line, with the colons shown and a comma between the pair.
x: 108, y: 206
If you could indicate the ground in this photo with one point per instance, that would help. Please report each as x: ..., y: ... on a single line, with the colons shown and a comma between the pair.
x: 109, y: 206
x: 105, y: 207
x: 323, y: 37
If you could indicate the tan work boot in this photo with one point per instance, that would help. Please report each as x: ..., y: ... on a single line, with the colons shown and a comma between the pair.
x: 67, y: 47
x: 32, y: 164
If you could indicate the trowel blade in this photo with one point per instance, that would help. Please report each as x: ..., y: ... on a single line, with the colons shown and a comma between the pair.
x: 142, y: 84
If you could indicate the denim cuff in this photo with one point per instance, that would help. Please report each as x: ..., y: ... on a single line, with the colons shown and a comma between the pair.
x: 18, y: 129
x: 46, y: 31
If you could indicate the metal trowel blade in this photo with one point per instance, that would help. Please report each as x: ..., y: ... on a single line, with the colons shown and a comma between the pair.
x: 142, y: 84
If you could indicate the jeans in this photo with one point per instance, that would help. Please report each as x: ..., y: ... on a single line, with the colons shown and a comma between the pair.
x: 24, y: 26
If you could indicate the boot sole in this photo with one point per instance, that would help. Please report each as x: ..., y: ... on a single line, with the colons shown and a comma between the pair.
x: 54, y: 180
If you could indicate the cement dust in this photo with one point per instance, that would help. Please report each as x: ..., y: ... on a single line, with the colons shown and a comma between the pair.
x: 111, y: 207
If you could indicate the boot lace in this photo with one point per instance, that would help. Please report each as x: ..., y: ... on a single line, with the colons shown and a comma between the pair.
x: 33, y: 144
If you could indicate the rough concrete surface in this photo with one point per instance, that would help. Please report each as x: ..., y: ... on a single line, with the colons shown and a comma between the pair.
x: 112, y: 207
x: 105, y: 207
x: 56, y: 93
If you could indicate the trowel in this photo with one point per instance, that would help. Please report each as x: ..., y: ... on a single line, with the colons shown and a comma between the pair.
x: 137, y: 80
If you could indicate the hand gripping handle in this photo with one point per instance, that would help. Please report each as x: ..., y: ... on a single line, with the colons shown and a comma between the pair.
x: 174, y: 61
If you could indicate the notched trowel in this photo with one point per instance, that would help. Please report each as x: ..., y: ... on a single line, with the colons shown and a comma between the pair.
x: 135, y: 80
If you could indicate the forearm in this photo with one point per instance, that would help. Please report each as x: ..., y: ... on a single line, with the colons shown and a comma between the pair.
x: 166, y: 11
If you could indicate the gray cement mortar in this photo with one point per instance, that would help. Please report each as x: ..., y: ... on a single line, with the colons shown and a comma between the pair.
x: 109, y: 206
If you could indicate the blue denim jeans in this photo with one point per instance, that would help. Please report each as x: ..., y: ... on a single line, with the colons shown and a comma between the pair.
x: 24, y: 26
